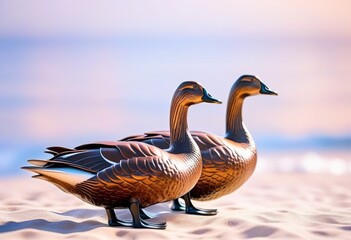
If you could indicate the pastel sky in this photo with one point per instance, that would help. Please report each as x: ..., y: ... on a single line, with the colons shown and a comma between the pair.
x: 73, y: 71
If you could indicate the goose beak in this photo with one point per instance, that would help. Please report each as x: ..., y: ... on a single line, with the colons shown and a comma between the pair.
x: 208, y: 98
x: 266, y: 90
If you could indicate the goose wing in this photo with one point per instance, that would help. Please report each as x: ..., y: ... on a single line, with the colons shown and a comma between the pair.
x: 126, y: 149
x: 161, y: 139
x: 217, y: 159
x: 140, y: 173
x: 214, y: 150
x: 148, y: 177
x: 145, y: 170
x: 98, y: 156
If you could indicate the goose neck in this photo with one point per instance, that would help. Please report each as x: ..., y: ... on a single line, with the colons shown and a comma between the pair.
x: 180, y: 137
x: 235, y: 127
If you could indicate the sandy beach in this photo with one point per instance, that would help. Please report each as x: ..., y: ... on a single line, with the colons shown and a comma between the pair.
x: 73, y: 72
x: 268, y: 206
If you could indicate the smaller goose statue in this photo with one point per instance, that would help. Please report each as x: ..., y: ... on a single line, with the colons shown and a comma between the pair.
x: 131, y: 174
x: 227, y: 161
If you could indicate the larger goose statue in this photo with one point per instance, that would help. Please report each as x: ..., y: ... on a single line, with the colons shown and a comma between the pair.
x: 143, y: 175
x: 227, y: 161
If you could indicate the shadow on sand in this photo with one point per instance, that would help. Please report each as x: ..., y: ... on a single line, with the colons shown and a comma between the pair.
x: 63, y: 226
x: 70, y: 226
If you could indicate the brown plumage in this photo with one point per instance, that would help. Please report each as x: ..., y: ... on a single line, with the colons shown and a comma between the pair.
x: 131, y: 174
x: 227, y: 161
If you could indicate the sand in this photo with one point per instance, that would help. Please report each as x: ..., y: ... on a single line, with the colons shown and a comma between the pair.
x: 268, y: 206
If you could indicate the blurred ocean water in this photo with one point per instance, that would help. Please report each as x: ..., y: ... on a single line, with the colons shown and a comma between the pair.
x: 335, y: 162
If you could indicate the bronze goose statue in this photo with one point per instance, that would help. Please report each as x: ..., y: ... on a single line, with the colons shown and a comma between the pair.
x: 227, y: 161
x: 144, y: 175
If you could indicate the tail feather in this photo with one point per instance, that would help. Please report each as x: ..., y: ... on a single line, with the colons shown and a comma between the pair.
x: 70, y: 176
x: 90, y: 161
x: 57, y: 150
x: 56, y: 164
x: 68, y: 167
x: 37, y: 162
x: 87, y: 160
x: 51, y: 152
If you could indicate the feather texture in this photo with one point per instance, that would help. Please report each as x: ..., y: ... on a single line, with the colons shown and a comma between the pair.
x: 227, y: 161
x: 111, y: 174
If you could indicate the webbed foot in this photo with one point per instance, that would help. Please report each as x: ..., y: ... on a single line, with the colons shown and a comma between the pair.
x: 113, y: 221
x: 145, y: 224
x: 146, y: 215
x: 138, y: 222
x: 201, y: 211
x: 191, y: 209
x: 120, y: 223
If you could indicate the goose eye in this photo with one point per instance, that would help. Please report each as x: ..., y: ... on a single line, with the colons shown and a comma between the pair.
x: 195, y: 87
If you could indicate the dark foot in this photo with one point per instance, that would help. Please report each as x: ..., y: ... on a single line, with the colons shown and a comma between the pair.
x: 113, y: 221
x: 120, y: 223
x: 145, y: 224
x: 191, y: 209
x: 177, y: 205
x: 146, y: 215
x: 201, y: 211
x: 140, y: 223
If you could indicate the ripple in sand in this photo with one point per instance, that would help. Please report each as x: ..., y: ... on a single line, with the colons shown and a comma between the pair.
x: 202, y: 231
x: 121, y: 233
x: 346, y: 228
x: 259, y: 231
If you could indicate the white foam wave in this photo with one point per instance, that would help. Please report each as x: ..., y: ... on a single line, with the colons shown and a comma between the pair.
x: 308, y: 162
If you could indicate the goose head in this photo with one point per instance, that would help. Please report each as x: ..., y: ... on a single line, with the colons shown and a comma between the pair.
x: 249, y: 85
x: 192, y: 93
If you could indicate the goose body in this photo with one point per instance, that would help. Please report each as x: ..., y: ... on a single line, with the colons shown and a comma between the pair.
x: 226, y: 164
x: 131, y: 174
x: 145, y: 173
x: 228, y: 161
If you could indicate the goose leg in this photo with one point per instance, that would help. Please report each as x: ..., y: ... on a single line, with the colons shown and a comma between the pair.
x: 113, y: 221
x: 177, y: 205
x: 191, y: 209
x: 138, y: 222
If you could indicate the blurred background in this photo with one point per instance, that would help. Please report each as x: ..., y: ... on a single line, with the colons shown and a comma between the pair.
x: 73, y: 72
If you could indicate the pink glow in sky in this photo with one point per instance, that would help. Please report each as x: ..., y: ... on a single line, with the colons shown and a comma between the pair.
x: 107, y: 69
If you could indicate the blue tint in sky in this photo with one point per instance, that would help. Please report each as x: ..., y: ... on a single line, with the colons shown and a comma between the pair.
x: 75, y: 72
